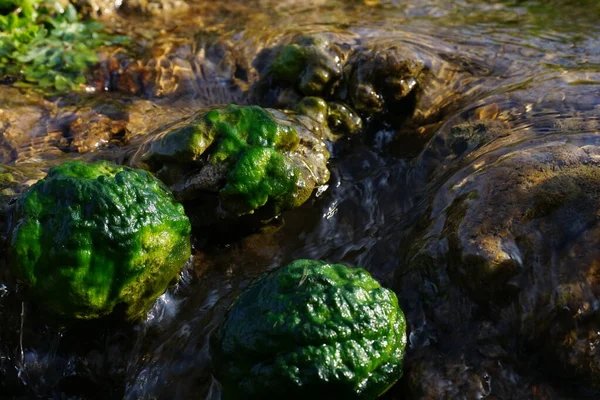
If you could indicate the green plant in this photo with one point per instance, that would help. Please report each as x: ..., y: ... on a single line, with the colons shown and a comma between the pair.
x: 47, y: 46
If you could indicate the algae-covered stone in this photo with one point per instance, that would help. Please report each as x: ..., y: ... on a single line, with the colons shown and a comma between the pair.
x: 370, y: 78
x: 91, y: 237
x: 311, y: 330
x: 338, y: 117
x: 237, y: 160
x: 312, y: 62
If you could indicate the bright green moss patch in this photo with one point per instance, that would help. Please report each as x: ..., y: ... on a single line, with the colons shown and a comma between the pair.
x: 90, y: 237
x: 262, y: 173
x: 311, y: 330
x: 250, y: 144
x: 230, y: 131
x: 47, y: 46
x: 239, y: 128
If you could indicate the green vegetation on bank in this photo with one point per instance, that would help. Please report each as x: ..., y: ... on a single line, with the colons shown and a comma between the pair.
x: 46, y: 45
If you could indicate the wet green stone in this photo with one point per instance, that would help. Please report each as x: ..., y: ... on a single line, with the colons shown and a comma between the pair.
x: 310, y: 330
x: 89, y: 237
x: 250, y: 144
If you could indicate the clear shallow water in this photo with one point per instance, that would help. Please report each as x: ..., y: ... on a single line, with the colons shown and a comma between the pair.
x: 533, y: 67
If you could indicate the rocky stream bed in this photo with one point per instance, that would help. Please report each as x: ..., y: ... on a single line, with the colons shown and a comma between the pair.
x: 449, y: 147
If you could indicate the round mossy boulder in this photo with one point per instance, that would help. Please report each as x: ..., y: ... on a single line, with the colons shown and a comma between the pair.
x: 90, y: 237
x: 310, y: 330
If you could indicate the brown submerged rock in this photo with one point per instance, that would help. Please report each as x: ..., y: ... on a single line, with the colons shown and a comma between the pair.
x: 512, y: 235
x: 22, y: 123
x: 89, y: 131
x: 31, y: 127
x: 561, y: 322
x: 506, y: 209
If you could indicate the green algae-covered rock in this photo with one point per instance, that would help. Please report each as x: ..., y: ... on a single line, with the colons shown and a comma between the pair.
x: 310, y: 330
x: 236, y: 160
x: 338, y: 117
x: 89, y: 237
x: 312, y: 62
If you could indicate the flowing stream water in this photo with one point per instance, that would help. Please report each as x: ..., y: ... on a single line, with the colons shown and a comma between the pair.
x: 531, y: 67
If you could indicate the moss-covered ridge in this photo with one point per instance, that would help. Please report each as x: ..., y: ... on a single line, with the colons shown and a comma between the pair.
x: 311, y: 330
x: 89, y: 237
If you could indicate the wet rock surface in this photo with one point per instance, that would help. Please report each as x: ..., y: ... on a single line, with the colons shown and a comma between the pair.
x: 510, y: 208
x: 389, y: 82
x: 464, y: 174
x: 236, y: 161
